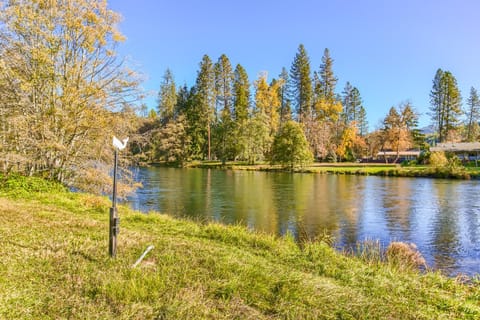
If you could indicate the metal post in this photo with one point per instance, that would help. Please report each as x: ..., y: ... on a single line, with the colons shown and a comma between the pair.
x: 114, y: 219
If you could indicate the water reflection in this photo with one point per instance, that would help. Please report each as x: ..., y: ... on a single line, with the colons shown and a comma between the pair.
x: 441, y: 216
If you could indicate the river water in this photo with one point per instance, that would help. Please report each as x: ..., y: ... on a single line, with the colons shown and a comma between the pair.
x: 442, y: 217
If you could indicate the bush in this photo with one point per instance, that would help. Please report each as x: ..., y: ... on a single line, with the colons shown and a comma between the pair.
x: 15, y: 183
x: 405, y: 255
x: 438, y: 159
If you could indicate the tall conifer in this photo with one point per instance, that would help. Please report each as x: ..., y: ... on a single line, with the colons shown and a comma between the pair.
x: 473, y: 115
x: 167, y: 97
x: 301, y: 83
x: 205, y: 100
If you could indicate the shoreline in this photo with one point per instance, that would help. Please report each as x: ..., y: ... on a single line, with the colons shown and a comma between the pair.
x: 367, y: 169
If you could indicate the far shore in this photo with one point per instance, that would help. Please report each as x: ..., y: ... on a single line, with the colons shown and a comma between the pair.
x: 342, y: 168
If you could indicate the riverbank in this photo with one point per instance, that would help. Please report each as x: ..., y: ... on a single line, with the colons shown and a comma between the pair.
x: 55, y: 264
x: 365, y: 169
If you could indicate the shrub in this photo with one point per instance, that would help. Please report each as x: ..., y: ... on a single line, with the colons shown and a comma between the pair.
x: 438, y: 159
x: 405, y: 255
x: 15, y: 183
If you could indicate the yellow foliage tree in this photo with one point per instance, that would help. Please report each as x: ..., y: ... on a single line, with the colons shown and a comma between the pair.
x: 65, y: 89
x: 267, y: 101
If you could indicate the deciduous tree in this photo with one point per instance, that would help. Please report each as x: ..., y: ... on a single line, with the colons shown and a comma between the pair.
x: 290, y: 146
x: 66, y: 91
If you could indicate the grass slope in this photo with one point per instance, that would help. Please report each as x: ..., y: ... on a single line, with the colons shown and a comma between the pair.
x: 54, y: 264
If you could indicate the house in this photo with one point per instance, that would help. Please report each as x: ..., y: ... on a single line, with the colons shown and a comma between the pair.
x: 390, y: 156
x: 466, y: 151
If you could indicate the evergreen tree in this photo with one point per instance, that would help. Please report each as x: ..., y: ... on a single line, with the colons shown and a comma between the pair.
x: 445, y: 100
x: 301, y: 83
x: 328, y: 81
x: 437, y: 101
x: 241, y: 98
x: 224, y: 130
x: 328, y: 109
x: 183, y: 99
x: 205, y: 103
x: 352, y: 102
x: 327, y: 105
x: 473, y: 115
x: 224, y: 85
x: 285, y: 104
x: 167, y: 97
x: 362, y: 122
x: 241, y: 105
x: 347, y: 93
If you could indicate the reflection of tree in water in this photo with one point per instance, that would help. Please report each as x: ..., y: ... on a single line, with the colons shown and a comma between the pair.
x: 445, y: 227
x: 397, y: 203
x: 442, y: 217
x: 252, y: 196
x: 350, y: 193
x: 328, y: 204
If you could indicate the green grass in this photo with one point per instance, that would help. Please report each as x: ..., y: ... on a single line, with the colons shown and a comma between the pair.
x: 55, y: 264
x: 374, y: 169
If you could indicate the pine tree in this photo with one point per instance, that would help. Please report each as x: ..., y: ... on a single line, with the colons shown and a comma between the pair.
x: 351, y: 103
x: 327, y: 105
x: 241, y: 106
x: 473, y: 115
x: 328, y: 81
x: 445, y: 100
x: 347, y: 93
x: 183, y: 99
x: 362, y: 122
x: 205, y: 101
x: 241, y: 98
x: 285, y: 104
x: 167, y: 97
x: 224, y: 85
x: 224, y: 129
x: 301, y: 84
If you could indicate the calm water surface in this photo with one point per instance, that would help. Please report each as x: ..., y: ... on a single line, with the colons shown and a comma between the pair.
x: 442, y: 217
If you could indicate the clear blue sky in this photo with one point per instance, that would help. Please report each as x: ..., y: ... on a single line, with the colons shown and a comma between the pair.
x: 390, y: 50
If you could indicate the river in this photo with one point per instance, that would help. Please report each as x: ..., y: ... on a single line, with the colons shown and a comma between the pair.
x: 442, y: 217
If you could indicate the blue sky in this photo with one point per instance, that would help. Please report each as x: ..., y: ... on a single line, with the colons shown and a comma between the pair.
x: 390, y: 50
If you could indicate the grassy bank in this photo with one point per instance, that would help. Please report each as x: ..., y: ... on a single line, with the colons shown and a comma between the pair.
x: 365, y: 169
x: 54, y: 264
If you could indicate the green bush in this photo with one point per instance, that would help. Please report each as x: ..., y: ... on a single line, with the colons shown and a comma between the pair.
x: 17, y: 184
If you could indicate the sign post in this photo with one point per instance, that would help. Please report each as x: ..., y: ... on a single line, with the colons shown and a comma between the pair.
x: 114, y: 226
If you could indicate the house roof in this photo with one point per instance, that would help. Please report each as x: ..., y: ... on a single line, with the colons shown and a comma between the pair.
x: 400, y: 153
x: 456, y: 147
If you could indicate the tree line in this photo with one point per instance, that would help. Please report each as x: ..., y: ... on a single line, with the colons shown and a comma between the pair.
x: 223, y: 116
x: 64, y: 92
